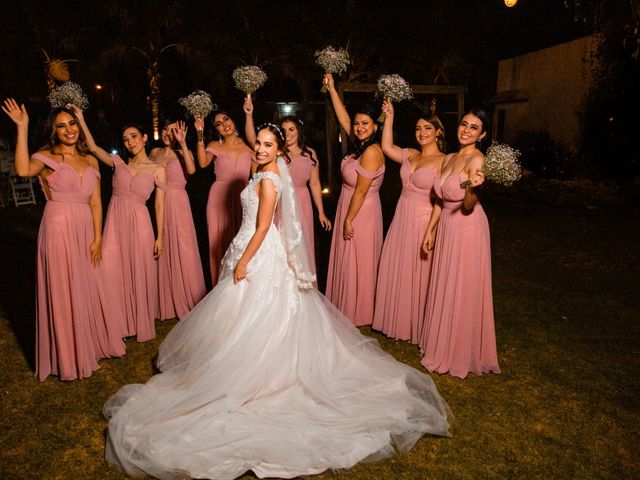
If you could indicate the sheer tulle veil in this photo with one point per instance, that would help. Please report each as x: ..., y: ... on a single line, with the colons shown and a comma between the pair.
x: 291, y: 230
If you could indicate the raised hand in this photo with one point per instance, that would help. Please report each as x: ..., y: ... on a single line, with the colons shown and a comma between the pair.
x: 76, y: 110
x: 387, y: 108
x: 248, y: 105
x: 199, y: 124
x: 328, y: 81
x: 18, y: 114
x: 180, y: 132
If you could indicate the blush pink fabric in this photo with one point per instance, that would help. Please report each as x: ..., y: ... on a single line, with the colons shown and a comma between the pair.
x: 353, y: 264
x: 224, y: 211
x: 73, y: 325
x: 403, y: 275
x: 127, y: 253
x: 459, y: 336
x: 180, y: 277
x: 300, y: 170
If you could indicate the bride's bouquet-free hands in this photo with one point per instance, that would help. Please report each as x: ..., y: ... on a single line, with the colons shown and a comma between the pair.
x: 332, y: 61
x: 68, y: 93
x: 393, y: 88
x: 501, y: 165
x: 199, y: 105
x: 249, y: 78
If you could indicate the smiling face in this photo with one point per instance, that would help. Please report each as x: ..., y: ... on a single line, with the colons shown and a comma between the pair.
x: 267, y: 147
x: 167, y: 134
x: 224, y: 125
x: 133, y: 140
x: 426, y: 133
x: 363, y: 126
x: 291, y: 133
x: 66, y: 129
x: 470, y: 130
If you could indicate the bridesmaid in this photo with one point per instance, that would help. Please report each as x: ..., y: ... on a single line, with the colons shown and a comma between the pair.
x: 130, y: 252
x: 304, y: 169
x: 72, y: 328
x: 180, y: 277
x: 459, y: 336
x: 403, y: 276
x: 231, y: 159
x: 357, y: 236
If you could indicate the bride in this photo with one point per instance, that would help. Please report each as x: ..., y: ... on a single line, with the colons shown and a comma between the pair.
x: 265, y: 374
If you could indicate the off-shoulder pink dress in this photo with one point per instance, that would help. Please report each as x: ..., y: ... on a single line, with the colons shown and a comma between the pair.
x: 459, y: 335
x: 224, y: 211
x: 127, y: 253
x: 180, y: 277
x: 353, y: 264
x: 300, y: 169
x: 73, y: 326
x: 403, y: 276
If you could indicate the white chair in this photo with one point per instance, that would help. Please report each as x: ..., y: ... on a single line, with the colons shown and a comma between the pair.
x: 17, y: 189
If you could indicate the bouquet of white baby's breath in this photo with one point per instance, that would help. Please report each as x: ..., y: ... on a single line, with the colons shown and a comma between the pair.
x: 501, y: 165
x: 393, y: 88
x: 332, y: 61
x: 198, y: 104
x: 68, y: 92
x: 249, y: 78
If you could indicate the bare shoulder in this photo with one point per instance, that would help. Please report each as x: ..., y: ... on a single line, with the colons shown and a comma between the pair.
x: 372, y: 158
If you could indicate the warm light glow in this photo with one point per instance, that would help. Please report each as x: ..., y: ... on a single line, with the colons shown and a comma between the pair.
x: 287, y: 109
x: 98, y: 86
x: 510, y: 3
x: 325, y: 191
x: 114, y: 151
x: 339, y: 137
x: 156, y: 134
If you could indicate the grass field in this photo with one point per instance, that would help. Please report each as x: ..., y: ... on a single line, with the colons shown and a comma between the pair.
x: 566, y: 288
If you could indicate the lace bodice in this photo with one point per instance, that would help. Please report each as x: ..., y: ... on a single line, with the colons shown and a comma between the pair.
x: 250, y: 203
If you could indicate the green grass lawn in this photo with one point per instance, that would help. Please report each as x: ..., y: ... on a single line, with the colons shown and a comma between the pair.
x: 566, y: 290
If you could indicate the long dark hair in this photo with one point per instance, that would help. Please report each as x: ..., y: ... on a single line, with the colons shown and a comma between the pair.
x: 360, y: 147
x: 52, y: 138
x: 437, y: 124
x: 483, y: 143
x: 301, y: 141
x: 214, y: 130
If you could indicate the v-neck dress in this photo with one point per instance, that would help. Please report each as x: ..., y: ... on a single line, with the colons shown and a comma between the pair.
x: 127, y: 253
x: 74, y: 327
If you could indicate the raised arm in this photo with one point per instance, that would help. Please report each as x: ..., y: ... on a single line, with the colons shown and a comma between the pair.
x: 316, y: 192
x: 98, y: 152
x: 371, y: 160
x: 180, y: 134
x: 393, y: 152
x: 476, y: 177
x: 25, y: 166
x: 266, y: 206
x: 160, y: 176
x: 338, y: 106
x: 249, y: 127
x: 204, y: 157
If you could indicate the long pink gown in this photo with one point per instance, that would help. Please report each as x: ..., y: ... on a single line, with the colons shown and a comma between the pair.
x: 72, y: 327
x: 459, y: 335
x: 224, y: 211
x: 353, y: 264
x: 180, y: 277
x: 127, y: 253
x: 300, y: 169
x: 403, y: 275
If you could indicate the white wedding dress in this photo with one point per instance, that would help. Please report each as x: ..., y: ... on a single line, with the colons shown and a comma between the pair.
x: 267, y: 375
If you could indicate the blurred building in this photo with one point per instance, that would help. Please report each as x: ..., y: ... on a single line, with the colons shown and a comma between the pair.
x: 544, y: 92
